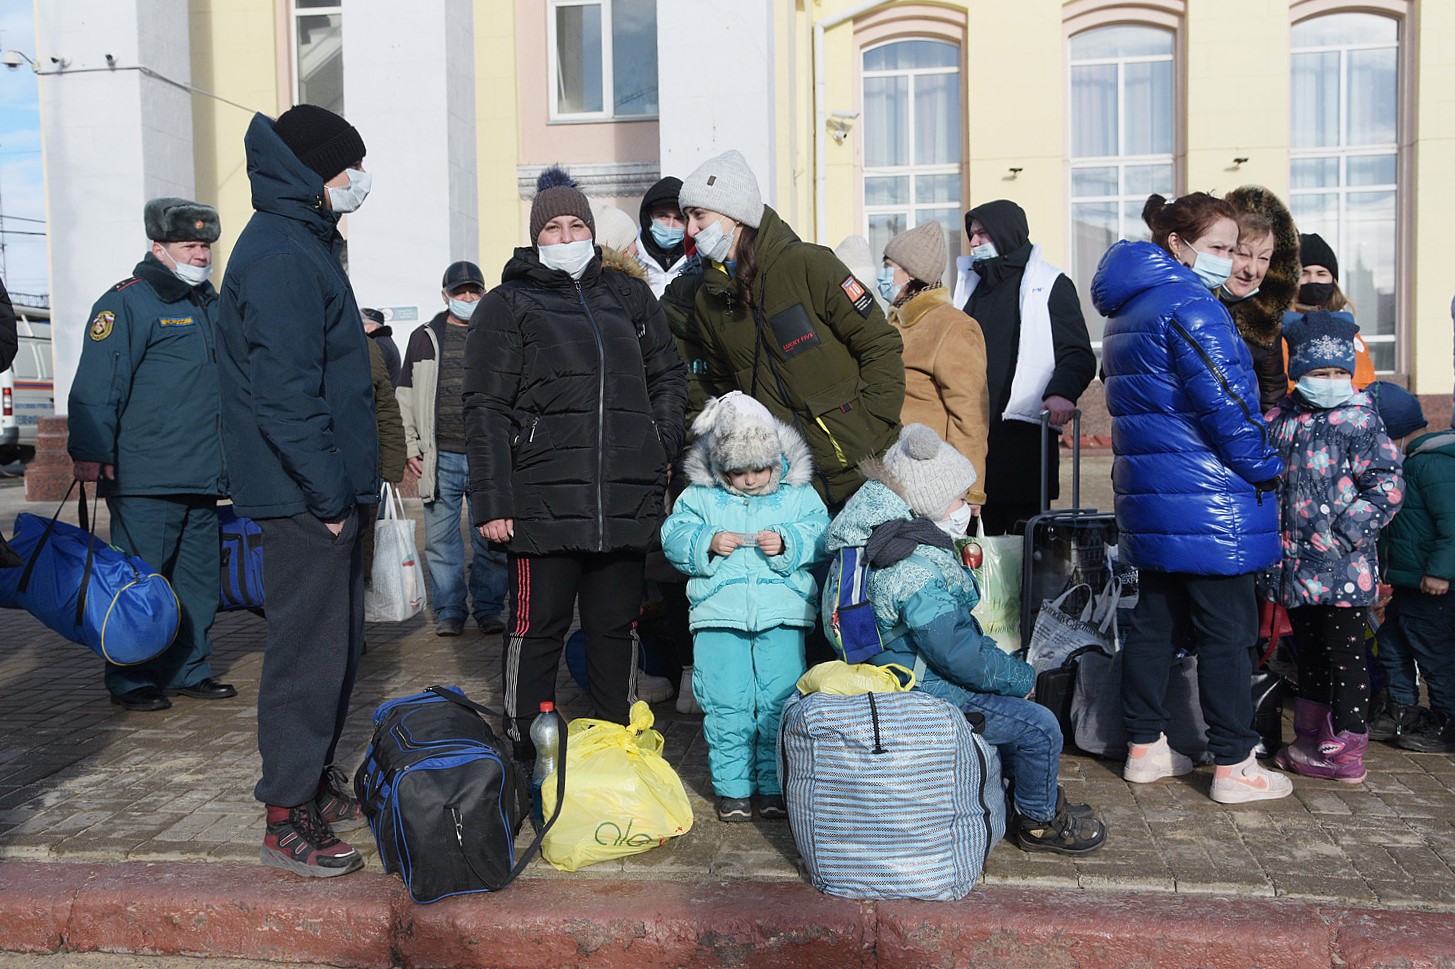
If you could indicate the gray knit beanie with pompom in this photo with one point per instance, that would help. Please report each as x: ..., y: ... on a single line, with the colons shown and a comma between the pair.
x: 926, y: 472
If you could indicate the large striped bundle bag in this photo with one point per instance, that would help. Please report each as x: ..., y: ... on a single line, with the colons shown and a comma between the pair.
x: 890, y: 795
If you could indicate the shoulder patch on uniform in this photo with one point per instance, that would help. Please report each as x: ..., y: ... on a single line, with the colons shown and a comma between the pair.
x: 125, y: 283
x: 857, y: 295
x: 101, y: 326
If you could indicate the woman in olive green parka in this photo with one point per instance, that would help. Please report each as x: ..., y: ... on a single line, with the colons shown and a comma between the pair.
x: 785, y: 322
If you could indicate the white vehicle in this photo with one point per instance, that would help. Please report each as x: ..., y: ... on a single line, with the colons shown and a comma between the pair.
x: 27, y: 389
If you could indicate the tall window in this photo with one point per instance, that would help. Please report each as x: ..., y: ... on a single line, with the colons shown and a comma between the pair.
x: 912, y: 141
x: 1122, y: 135
x: 319, y: 53
x: 603, y: 58
x: 1344, y: 113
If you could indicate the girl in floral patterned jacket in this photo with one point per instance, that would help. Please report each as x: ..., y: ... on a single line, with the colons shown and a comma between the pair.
x: 1342, y: 483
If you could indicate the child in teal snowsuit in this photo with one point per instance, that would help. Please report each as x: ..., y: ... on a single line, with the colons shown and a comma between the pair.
x: 746, y: 532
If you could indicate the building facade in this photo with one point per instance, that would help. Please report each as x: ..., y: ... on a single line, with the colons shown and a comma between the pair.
x: 858, y: 117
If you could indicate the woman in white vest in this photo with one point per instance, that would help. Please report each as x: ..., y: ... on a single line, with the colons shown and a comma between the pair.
x: 1038, y: 355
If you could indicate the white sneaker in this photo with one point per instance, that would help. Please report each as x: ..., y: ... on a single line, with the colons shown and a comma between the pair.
x: 653, y: 689
x: 1151, y: 762
x: 686, y: 702
x: 1248, y: 781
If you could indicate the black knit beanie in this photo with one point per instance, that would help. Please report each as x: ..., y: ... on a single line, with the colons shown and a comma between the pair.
x: 1314, y: 251
x: 320, y: 139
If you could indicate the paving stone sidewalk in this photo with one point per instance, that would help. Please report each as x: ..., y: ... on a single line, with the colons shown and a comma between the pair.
x: 83, y: 780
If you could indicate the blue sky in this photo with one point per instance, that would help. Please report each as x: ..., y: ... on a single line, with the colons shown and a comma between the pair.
x: 22, y: 187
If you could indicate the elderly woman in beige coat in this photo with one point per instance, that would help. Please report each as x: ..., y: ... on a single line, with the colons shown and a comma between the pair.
x: 944, y: 350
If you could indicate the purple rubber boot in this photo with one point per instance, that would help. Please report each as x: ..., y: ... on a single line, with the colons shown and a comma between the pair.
x: 1309, y: 719
x: 1335, y: 756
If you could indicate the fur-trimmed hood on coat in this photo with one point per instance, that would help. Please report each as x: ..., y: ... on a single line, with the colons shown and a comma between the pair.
x: 1259, y: 318
x: 628, y: 265
x: 794, y: 468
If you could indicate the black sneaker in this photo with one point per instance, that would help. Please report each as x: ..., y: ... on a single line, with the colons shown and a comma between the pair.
x: 1065, y: 834
x: 1433, y: 734
x: 303, y: 844
x: 734, y: 809
x: 490, y: 625
x: 336, y: 803
x: 772, y: 807
x: 1388, y: 719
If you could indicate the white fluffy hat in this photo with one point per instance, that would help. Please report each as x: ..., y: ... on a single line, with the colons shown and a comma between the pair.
x: 741, y: 434
x: 926, y: 472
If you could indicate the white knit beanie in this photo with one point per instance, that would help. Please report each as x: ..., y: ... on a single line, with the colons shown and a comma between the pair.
x: 724, y: 184
x: 740, y: 432
x: 614, y: 227
x: 927, y: 472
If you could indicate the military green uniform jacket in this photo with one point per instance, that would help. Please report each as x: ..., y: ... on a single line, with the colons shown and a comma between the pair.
x: 145, y: 397
x: 815, y: 349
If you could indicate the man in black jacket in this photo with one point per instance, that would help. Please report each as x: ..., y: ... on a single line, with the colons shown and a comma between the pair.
x: 299, y: 428
x: 1037, y: 356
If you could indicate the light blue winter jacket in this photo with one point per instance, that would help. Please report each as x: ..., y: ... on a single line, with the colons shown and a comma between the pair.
x: 747, y: 590
x: 922, y: 608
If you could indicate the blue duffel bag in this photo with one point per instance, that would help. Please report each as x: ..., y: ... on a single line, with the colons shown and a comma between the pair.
x: 242, y: 561
x: 88, y: 591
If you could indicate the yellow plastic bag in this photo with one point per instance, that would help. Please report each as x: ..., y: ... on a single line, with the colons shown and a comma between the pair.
x: 840, y: 678
x: 622, y: 797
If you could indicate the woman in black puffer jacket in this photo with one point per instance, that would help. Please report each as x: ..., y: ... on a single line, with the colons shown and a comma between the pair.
x: 574, y: 396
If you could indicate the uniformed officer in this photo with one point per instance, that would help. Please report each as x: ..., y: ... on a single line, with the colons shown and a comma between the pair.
x: 145, y: 416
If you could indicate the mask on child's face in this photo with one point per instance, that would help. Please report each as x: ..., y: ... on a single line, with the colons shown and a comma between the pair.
x: 958, y: 524
x: 1325, y: 392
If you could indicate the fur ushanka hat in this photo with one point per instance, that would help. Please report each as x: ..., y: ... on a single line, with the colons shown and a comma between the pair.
x: 737, y: 433
x: 180, y: 220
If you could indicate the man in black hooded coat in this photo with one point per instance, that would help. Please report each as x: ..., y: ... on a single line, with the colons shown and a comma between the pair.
x: 996, y: 291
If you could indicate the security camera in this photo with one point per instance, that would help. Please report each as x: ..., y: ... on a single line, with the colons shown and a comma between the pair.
x: 11, y: 59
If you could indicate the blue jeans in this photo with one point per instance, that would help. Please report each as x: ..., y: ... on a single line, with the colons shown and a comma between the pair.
x: 1029, y: 741
x: 444, y: 549
x: 1397, y: 657
x: 1424, y: 626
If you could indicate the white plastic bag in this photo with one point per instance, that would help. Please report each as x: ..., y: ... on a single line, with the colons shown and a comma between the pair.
x: 999, y: 575
x: 396, y: 584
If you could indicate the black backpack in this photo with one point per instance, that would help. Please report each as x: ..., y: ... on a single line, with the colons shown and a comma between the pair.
x: 443, y: 799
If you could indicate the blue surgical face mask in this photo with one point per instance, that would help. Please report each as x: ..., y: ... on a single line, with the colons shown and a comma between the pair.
x: 667, y: 237
x: 1212, y: 270
x: 887, y: 287
x: 571, y: 258
x: 983, y: 252
x: 462, y: 310
x: 349, y: 198
x: 188, y: 273
x: 1325, y: 392
x: 713, y: 243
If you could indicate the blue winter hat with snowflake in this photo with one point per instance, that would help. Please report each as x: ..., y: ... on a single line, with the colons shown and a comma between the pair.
x: 1319, y: 339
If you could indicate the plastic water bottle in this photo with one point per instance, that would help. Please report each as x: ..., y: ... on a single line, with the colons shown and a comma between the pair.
x: 545, y: 733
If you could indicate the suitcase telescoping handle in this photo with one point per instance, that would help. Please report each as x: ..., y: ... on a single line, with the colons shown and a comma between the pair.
x: 1075, y: 460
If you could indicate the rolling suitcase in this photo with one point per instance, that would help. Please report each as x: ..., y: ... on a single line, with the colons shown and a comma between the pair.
x: 1063, y: 548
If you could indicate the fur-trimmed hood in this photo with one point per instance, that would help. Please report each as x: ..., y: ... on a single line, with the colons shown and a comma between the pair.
x: 1259, y: 318
x: 614, y: 259
x: 795, y: 465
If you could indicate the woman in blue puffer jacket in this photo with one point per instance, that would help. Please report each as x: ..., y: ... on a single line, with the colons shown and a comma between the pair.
x: 1193, y: 475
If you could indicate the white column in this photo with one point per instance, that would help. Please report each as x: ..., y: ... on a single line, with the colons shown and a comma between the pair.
x: 113, y: 138
x: 730, y: 41
x: 409, y: 87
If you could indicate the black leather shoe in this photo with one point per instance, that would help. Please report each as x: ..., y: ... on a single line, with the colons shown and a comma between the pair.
x: 144, y: 699
x: 208, y: 689
x: 490, y: 625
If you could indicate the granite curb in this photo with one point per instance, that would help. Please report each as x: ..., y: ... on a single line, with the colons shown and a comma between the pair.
x: 367, y: 920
